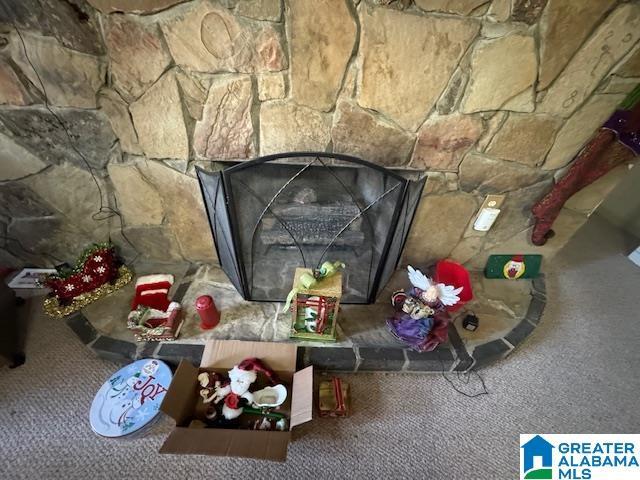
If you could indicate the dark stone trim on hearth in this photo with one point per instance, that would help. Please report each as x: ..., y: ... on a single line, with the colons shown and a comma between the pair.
x: 465, y: 361
x: 450, y: 356
x: 491, y: 351
x: 147, y: 349
x: 536, y: 307
x: 172, y: 353
x: 331, y: 358
x: 82, y: 328
x: 118, y: 351
x: 381, y: 359
x: 520, y: 332
x: 180, y: 292
x: 439, y: 360
x: 191, y: 271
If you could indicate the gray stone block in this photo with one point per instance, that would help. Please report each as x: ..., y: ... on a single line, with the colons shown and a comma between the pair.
x: 539, y: 287
x: 463, y: 364
x: 332, y: 358
x: 536, y: 307
x: 172, y: 353
x: 193, y: 268
x: 456, y: 342
x: 182, y: 289
x: 115, y: 350
x: 147, y: 349
x: 520, y: 332
x: 82, y: 328
x: 489, y: 352
x: 441, y: 359
x: 384, y: 359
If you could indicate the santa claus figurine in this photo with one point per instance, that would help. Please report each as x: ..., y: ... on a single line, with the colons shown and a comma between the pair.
x: 153, y: 316
x: 235, y: 395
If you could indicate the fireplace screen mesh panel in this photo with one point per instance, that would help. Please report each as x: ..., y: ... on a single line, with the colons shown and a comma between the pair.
x: 273, y: 214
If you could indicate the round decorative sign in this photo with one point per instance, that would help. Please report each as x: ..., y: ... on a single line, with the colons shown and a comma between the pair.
x: 130, y: 399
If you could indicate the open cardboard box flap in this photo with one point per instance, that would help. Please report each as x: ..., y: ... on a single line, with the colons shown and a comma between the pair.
x: 180, y: 400
x: 281, y: 357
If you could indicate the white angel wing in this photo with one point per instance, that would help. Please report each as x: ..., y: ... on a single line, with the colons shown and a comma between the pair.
x: 418, y: 279
x: 448, y: 295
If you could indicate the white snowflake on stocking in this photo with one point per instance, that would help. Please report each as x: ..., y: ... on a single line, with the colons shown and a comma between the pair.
x: 101, y: 269
x: 97, y: 259
x: 68, y: 287
x: 86, y: 278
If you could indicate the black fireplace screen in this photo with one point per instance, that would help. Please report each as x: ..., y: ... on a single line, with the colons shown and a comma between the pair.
x: 273, y: 214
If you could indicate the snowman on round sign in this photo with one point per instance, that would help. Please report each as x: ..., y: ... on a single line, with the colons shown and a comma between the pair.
x: 121, y: 401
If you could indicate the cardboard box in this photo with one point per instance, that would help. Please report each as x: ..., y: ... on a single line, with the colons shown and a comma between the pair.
x: 182, y: 400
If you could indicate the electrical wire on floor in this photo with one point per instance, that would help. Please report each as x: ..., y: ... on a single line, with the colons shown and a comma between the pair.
x: 105, y: 211
x: 465, y: 379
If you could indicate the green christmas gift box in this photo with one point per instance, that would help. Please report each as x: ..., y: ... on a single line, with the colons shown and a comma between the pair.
x: 315, y: 301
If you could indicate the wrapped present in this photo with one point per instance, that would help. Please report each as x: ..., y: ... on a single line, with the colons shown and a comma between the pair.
x: 333, y: 398
x: 315, y: 301
x: 98, y: 272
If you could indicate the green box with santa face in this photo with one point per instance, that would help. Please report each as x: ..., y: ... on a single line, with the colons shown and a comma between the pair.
x: 315, y: 309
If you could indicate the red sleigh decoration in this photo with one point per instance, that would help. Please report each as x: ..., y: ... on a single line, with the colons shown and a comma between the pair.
x: 98, y: 272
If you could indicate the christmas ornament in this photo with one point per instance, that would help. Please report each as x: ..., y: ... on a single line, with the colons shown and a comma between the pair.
x: 98, y: 272
x: 153, y: 316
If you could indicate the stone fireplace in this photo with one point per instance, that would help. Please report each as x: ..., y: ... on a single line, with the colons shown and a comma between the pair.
x: 151, y: 91
x: 270, y: 216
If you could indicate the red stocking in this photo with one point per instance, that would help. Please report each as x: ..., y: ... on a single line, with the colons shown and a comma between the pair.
x: 599, y: 156
x: 590, y: 164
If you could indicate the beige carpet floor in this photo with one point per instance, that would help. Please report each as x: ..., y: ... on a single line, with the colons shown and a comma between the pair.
x: 576, y: 373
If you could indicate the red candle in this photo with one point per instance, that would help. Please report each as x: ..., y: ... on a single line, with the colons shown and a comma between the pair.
x: 209, y: 314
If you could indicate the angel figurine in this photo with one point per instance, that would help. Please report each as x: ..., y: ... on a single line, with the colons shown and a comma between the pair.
x: 430, y: 292
x: 421, y: 319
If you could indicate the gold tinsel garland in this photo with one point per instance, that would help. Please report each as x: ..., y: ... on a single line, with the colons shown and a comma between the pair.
x: 53, y: 308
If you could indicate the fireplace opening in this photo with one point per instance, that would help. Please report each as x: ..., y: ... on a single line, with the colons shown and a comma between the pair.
x: 275, y: 213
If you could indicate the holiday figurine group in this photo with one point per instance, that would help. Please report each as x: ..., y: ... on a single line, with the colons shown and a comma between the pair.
x: 226, y: 400
x: 98, y: 272
x: 153, y: 315
x: 421, y: 319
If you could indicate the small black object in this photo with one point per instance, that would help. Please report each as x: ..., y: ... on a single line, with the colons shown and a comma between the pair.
x: 470, y: 322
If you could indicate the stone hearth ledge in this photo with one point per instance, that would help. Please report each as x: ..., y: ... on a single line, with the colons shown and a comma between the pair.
x: 508, y: 312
